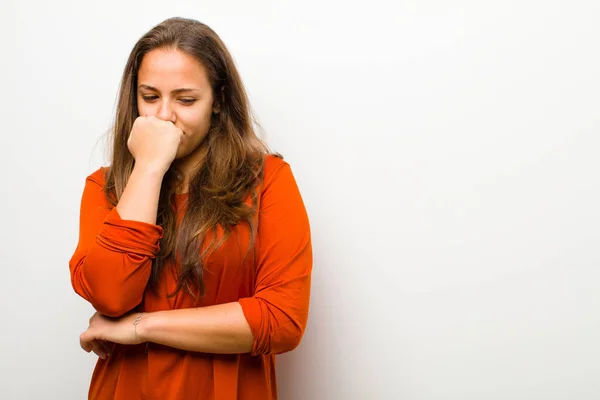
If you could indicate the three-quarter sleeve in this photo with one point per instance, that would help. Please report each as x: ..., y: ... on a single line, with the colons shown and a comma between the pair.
x: 113, y: 259
x: 278, y: 311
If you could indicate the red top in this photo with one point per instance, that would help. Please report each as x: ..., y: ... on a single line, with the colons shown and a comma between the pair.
x: 112, y: 264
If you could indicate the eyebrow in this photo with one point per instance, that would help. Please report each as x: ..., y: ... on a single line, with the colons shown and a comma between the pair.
x: 180, y: 90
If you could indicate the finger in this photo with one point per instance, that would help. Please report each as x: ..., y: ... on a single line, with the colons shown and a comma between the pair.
x: 84, y: 343
x: 106, y: 346
x: 98, y: 348
x: 86, y: 336
x: 88, y: 342
x: 86, y: 346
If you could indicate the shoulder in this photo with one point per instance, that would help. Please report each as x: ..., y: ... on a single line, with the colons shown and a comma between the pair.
x: 277, y: 176
x: 98, y: 177
x: 272, y: 163
x: 93, y: 191
x: 275, y: 168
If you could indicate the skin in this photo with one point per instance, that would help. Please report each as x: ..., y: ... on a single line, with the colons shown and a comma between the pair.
x: 162, y: 76
x: 171, y: 129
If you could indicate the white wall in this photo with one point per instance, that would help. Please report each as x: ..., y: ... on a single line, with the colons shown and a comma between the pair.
x: 447, y: 154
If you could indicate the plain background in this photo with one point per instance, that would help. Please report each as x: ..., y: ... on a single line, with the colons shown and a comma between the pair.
x: 447, y: 153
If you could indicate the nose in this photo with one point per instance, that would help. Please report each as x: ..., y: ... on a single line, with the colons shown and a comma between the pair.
x: 165, y: 112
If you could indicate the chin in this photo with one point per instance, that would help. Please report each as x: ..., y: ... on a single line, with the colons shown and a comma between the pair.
x: 182, y: 154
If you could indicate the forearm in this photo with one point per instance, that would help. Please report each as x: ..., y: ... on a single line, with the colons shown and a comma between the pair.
x: 139, y: 201
x: 220, y: 329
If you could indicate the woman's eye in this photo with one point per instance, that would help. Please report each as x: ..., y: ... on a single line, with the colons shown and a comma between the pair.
x: 186, y: 102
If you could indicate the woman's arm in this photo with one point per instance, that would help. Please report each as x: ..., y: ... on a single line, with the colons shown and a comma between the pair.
x: 272, y: 321
x: 113, y: 259
x: 221, y: 329
x: 139, y: 201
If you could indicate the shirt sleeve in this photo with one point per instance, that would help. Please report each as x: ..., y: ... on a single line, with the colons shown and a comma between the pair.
x: 113, y: 259
x: 278, y: 311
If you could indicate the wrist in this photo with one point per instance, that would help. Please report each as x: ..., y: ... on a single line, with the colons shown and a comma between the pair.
x: 150, y: 169
x: 141, y: 327
x: 138, y: 324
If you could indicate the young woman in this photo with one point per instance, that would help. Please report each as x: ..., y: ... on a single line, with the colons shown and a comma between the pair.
x: 194, y: 244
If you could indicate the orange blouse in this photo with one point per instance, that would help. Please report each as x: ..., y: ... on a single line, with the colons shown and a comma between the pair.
x: 111, y: 267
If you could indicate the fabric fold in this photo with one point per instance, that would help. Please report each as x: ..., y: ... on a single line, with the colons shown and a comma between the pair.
x: 129, y: 236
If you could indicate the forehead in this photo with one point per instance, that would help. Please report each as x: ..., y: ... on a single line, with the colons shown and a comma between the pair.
x: 167, y: 69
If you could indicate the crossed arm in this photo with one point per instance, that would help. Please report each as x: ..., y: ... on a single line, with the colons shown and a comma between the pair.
x: 112, y: 264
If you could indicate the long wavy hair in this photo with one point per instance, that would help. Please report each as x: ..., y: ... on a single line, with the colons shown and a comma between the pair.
x: 220, y: 188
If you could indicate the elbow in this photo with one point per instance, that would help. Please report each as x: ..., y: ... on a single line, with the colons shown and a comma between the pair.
x: 106, y: 299
x: 114, y: 301
x: 288, y: 341
x: 112, y: 307
x: 105, y: 291
x: 275, y: 330
x: 279, y: 341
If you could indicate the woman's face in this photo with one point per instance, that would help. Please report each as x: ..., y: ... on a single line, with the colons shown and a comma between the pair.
x: 174, y: 86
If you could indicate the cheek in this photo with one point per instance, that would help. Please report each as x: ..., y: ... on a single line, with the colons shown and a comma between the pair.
x: 197, y: 119
x: 144, y: 109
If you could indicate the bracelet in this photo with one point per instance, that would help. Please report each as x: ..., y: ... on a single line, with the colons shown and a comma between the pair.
x: 135, y: 323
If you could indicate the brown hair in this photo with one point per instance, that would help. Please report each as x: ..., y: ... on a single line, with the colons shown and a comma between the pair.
x: 231, y: 170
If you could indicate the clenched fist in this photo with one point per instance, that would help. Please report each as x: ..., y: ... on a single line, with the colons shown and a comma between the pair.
x: 154, y: 142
